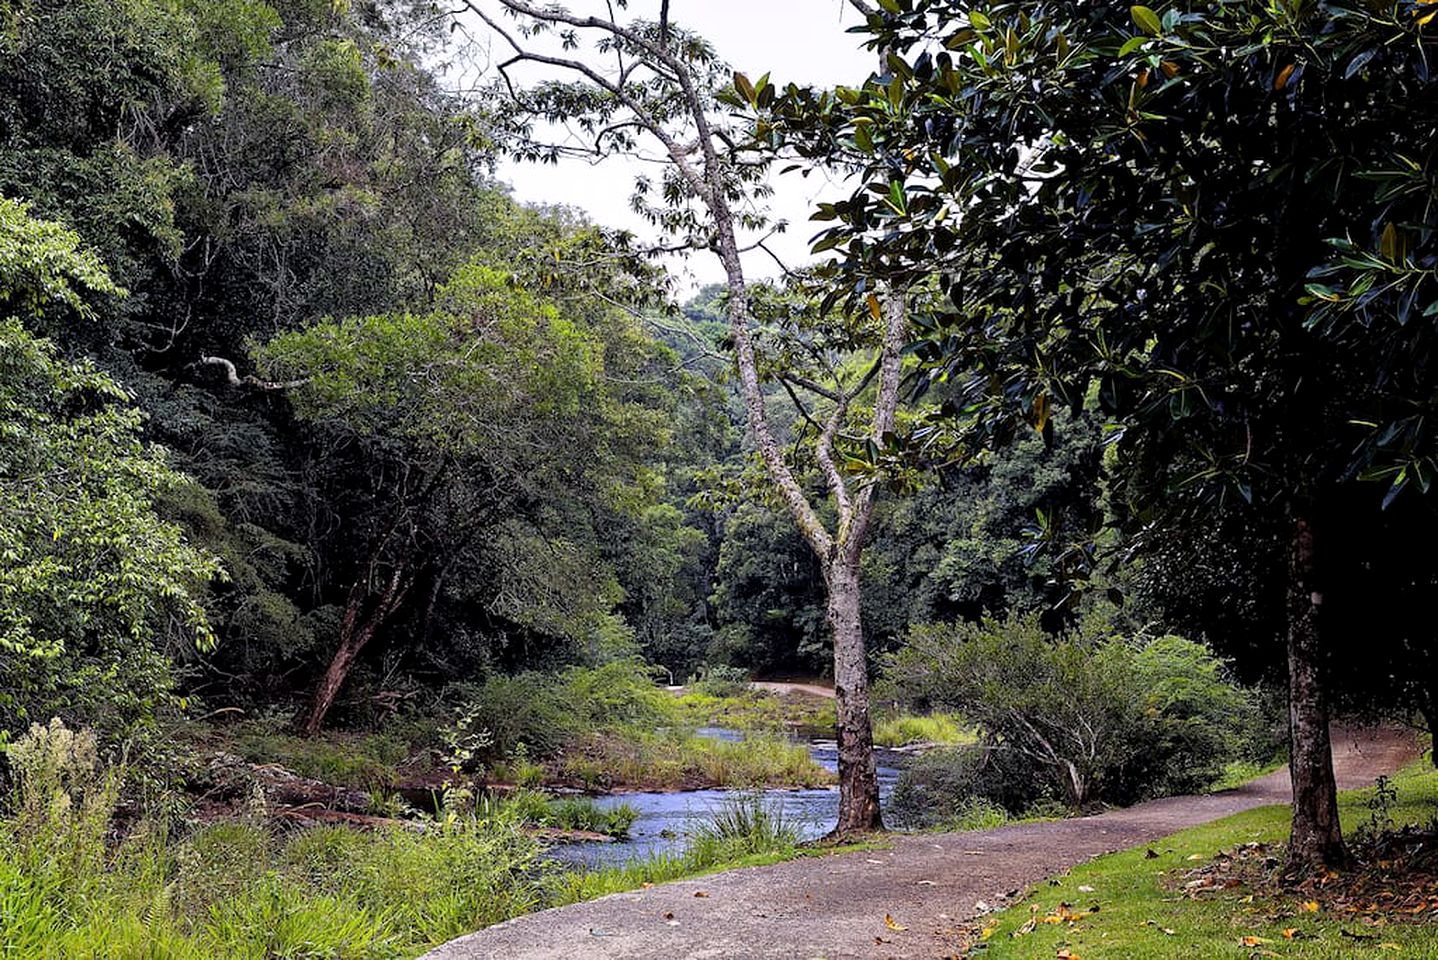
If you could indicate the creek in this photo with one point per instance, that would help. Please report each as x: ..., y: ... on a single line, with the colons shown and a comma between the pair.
x: 667, y: 819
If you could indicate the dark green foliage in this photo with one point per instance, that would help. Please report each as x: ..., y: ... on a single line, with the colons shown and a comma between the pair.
x: 537, y: 715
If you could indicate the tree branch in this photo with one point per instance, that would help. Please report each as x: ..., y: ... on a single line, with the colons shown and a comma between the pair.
x: 233, y: 378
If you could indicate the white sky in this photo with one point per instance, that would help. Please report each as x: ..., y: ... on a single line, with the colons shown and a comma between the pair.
x: 803, y: 41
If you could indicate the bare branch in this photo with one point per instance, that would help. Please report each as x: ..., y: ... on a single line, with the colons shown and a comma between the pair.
x: 233, y: 378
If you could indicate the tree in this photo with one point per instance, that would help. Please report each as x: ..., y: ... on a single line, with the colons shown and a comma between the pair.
x: 450, y: 412
x: 1127, y: 206
x: 96, y: 591
x: 1088, y: 713
x: 664, y: 89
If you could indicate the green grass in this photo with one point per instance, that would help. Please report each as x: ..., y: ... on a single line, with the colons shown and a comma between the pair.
x: 1143, y: 914
x: 362, y: 761
x: 756, y: 710
x: 942, y: 729
x: 239, y: 891
x: 675, y: 760
x: 1239, y: 772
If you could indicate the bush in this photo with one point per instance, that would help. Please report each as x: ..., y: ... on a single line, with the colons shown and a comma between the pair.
x: 525, y: 712
x: 538, y: 715
x: 941, y: 787
x: 1089, y: 716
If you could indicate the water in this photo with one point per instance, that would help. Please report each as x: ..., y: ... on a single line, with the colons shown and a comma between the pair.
x: 666, y: 820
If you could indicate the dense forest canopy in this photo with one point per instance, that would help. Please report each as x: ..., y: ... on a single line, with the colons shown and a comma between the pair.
x: 1113, y: 377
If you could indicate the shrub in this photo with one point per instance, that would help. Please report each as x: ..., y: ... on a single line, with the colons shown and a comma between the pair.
x: 537, y: 715
x: 942, y: 787
x: 63, y: 799
x: 619, y: 692
x: 522, y: 712
x: 1090, y: 716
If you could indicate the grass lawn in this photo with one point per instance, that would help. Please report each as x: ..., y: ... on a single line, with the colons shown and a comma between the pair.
x: 1143, y: 910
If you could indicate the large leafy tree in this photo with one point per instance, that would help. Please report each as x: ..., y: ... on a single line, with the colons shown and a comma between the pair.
x: 97, y: 592
x: 470, y: 440
x: 1141, y: 209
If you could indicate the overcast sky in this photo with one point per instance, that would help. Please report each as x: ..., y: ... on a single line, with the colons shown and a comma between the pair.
x: 799, y: 40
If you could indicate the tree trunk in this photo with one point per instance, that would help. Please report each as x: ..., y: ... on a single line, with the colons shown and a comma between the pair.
x: 858, y: 778
x: 1316, y: 840
x: 355, y: 632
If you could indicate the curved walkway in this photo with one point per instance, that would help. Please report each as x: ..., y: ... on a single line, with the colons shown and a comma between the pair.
x: 834, y: 907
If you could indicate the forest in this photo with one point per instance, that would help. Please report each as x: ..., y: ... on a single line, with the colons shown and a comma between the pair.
x: 376, y: 547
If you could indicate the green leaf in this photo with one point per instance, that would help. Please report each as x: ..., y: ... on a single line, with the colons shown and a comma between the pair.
x: 1131, y: 45
x: 745, y: 88
x: 978, y: 21
x: 1147, y: 20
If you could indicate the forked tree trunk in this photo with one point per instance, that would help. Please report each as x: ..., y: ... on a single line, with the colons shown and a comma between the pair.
x: 858, y: 779
x: 356, y: 630
x: 1316, y: 840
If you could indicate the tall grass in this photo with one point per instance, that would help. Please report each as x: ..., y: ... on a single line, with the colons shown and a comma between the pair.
x: 236, y: 891
x: 241, y: 891
x: 942, y: 729
x: 671, y: 759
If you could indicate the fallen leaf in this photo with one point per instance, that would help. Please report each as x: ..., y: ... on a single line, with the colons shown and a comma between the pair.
x: 669, y: 915
x: 1194, y: 856
x: 1066, y: 955
x: 879, y: 940
x: 1085, y: 888
x: 1309, y: 906
x: 1390, y: 946
x: 1290, y: 932
x: 893, y: 924
x: 1254, y: 941
x: 700, y: 893
x: 926, y: 883
x: 1151, y: 854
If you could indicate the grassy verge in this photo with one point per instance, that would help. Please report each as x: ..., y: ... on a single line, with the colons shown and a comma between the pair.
x: 243, y: 890
x: 675, y: 760
x: 756, y: 710
x: 940, y: 729
x: 1145, y: 910
x: 1239, y: 772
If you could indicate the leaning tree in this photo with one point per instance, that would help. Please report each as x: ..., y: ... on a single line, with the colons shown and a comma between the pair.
x: 1213, y: 221
x: 648, y: 85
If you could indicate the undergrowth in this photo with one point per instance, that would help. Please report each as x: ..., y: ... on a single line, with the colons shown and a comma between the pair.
x: 240, y: 890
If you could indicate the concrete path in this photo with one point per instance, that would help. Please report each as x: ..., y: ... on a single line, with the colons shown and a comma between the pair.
x: 783, y: 687
x: 834, y: 907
